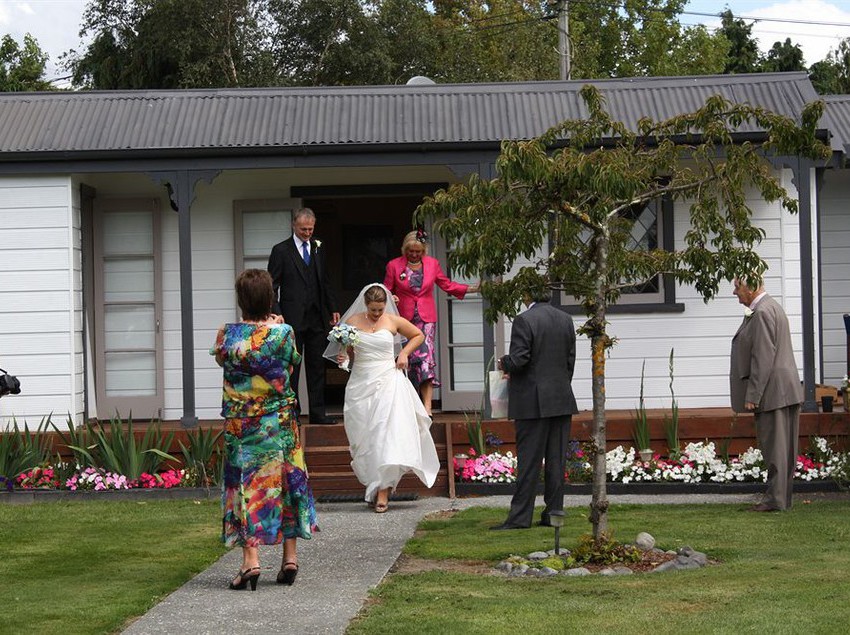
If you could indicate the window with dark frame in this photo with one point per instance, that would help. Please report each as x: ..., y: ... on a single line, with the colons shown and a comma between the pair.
x: 652, y: 228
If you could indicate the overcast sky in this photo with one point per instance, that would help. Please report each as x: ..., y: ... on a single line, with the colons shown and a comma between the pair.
x: 56, y: 23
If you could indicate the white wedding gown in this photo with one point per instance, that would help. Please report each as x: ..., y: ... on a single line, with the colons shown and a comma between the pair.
x: 387, y: 426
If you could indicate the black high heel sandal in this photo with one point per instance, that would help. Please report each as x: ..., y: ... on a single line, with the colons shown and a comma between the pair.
x: 246, y: 577
x: 287, y: 576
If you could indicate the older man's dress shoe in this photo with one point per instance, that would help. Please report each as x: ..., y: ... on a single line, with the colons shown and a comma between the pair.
x: 506, y: 526
x: 762, y: 507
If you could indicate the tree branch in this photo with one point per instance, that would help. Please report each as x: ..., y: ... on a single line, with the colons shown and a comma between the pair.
x: 652, y: 194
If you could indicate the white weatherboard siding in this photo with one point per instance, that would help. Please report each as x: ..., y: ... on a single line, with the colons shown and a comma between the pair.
x: 40, y: 320
x: 41, y: 299
x: 700, y: 336
x: 213, y: 268
x: 835, y: 266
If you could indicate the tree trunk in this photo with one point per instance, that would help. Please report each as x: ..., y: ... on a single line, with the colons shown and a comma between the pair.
x: 599, y: 501
x: 599, y: 344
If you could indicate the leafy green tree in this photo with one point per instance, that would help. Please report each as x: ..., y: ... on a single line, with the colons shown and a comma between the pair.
x: 564, y: 196
x: 512, y: 40
x: 831, y: 76
x: 641, y: 38
x: 744, y: 56
x: 783, y: 56
x: 22, y: 68
x: 502, y: 40
x: 349, y: 42
x: 173, y: 44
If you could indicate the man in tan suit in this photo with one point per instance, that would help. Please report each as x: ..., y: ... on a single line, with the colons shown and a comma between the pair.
x: 764, y: 380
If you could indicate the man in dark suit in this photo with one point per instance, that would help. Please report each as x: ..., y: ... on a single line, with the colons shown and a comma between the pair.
x: 303, y: 296
x: 763, y: 379
x: 541, y: 403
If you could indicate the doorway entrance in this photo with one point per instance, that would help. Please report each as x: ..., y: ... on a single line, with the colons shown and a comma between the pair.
x: 362, y: 233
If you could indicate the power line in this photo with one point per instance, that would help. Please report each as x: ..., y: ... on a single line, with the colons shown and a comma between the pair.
x: 618, y: 5
x: 783, y: 20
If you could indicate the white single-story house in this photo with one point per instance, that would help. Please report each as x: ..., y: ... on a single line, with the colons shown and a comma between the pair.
x: 125, y: 217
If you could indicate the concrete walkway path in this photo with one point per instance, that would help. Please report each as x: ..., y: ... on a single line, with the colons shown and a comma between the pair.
x: 353, y: 552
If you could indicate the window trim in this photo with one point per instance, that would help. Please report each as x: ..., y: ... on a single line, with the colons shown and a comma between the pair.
x: 254, y: 205
x: 668, y: 284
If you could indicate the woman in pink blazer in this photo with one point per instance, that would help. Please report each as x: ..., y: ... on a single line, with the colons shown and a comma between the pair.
x: 411, y: 278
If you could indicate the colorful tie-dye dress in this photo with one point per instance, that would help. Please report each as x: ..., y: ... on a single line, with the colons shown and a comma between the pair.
x: 266, y: 495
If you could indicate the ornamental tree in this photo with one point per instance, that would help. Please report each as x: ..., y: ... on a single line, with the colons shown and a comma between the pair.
x: 565, y: 203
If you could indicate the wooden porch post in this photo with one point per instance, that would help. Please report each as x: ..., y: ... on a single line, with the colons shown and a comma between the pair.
x: 181, y: 193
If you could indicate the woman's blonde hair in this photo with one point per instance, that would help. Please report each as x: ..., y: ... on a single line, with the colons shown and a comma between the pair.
x: 410, y: 238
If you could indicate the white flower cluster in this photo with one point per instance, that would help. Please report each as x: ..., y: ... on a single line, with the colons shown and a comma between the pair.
x: 699, y: 463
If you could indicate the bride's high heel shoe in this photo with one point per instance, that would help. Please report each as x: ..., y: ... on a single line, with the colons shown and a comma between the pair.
x: 246, y: 577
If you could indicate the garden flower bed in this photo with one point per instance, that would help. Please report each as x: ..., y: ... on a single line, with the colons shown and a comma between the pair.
x: 697, y: 468
x: 101, y: 458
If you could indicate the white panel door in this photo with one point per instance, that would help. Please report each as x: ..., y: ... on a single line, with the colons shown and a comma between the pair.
x: 128, y: 312
x: 461, y: 348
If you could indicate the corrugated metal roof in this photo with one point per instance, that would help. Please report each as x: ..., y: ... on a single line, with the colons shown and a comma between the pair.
x: 837, y: 120
x: 269, y: 118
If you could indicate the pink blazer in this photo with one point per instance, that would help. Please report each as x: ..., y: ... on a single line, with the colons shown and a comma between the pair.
x: 424, y: 299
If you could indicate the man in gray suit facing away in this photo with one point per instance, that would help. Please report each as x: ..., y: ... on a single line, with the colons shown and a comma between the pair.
x: 764, y: 380
x: 541, y: 403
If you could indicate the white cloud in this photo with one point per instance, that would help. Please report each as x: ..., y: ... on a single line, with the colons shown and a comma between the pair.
x: 815, y: 40
x: 54, y: 24
x: 24, y: 7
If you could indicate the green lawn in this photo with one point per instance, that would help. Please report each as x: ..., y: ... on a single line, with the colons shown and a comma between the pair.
x: 778, y: 573
x: 89, y: 567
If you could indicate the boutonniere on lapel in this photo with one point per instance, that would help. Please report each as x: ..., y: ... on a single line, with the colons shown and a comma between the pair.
x: 402, y: 276
x: 318, y: 243
x: 748, y: 312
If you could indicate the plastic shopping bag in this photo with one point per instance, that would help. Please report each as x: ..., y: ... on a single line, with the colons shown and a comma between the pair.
x: 498, y: 394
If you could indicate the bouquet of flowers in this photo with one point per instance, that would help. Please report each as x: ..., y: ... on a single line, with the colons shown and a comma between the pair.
x: 345, y: 335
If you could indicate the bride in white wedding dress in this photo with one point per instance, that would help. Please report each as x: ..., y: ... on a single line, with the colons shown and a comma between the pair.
x: 387, y: 426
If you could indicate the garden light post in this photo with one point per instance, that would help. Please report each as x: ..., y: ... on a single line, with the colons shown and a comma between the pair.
x: 556, y: 519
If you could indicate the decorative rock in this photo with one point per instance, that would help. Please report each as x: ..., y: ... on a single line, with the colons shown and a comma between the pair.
x: 533, y: 573
x: 562, y: 552
x: 683, y: 562
x: 622, y: 570
x: 538, y: 555
x: 505, y: 566
x: 607, y: 571
x: 578, y: 571
x: 670, y: 552
x: 700, y: 558
x: 520, y: 569
x: 687, y: 550
x: 644, y: 541
x: 546, y: 572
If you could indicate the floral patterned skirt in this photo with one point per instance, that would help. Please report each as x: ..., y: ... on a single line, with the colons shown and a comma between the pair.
x: 266, y: 494
x: 422, y: 365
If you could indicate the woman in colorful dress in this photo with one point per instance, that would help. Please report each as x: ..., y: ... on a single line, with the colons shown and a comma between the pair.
x: 266, y: 496
x: 411, y: 278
